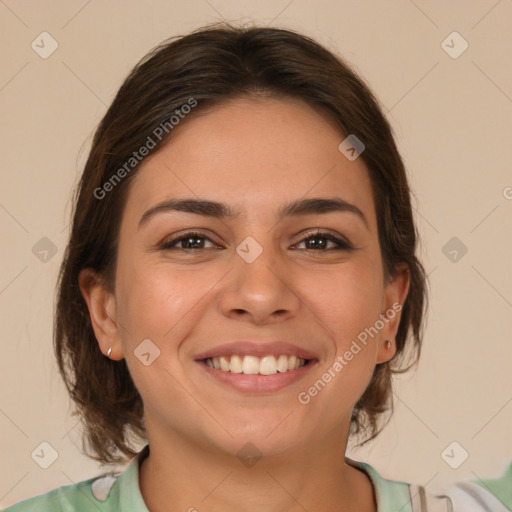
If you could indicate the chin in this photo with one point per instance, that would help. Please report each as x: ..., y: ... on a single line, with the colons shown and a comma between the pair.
x: 266, y: 436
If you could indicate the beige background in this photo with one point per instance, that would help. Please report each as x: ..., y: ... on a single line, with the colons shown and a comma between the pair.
x: 452, y: 119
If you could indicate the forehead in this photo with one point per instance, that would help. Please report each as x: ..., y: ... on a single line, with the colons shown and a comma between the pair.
x: 255, y: 155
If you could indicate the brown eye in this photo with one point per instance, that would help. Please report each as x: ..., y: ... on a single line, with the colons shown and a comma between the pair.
x: 321, y: 241
x: 189, y: 241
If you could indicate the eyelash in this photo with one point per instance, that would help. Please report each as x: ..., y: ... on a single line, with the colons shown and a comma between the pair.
x: 343, y: 245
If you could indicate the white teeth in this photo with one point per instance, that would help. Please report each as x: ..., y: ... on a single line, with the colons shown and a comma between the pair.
x: 282, y: 364
x: 268, y: 365
x: 224, y: 364
x: 252, y: 365
x: 235, y: 365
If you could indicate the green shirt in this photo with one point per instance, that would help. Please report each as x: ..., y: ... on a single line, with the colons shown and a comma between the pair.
x: 121, y: 493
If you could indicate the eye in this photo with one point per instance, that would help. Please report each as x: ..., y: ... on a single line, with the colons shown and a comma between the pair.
x: 317, y: 241
x: 325, y: 238
x: 190, y: 241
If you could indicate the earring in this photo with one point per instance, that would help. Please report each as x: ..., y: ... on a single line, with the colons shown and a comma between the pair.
x: 109, y: 351
x: 388, y: 344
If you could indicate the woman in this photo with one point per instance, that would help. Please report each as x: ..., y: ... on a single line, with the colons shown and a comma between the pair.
x: 240, y: 284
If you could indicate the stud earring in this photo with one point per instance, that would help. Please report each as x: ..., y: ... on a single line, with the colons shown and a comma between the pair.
x: 109, y: 351
x: 388, y: 344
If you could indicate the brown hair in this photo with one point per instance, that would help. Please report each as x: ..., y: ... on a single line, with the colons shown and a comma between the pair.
x: 210, y: 65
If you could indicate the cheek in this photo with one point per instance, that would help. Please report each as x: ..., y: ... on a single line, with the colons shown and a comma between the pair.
x: 348, y: 300
x: 162, y: 302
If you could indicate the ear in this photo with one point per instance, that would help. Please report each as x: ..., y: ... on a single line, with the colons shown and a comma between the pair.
x: 102, y: 310
x: 395, y: 293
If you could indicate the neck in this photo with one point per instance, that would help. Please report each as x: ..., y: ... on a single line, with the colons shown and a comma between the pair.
x: 180, y: 475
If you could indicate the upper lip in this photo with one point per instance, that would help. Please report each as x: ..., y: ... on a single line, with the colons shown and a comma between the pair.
x: 258, y: 349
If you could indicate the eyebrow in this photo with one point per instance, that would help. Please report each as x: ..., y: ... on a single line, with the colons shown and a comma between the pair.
x: 207, y: 208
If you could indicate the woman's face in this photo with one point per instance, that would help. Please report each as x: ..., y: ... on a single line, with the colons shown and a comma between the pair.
x: 260, y: 283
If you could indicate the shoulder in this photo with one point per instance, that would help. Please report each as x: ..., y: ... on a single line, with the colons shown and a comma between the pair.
x: 493, y: 495
x: 80, y: 496
x: 478, y: 495
x: 106, y: 493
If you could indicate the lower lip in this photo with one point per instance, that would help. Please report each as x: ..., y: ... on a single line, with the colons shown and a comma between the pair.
x: 258, y: 383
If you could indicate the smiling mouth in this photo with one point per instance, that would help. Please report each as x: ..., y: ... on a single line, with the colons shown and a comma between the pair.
x: 253, y: 365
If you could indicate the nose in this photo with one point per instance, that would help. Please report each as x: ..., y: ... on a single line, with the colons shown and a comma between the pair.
x: 260, y: 292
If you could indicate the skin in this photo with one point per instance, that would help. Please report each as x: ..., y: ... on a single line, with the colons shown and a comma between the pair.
x: 254, y: 155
